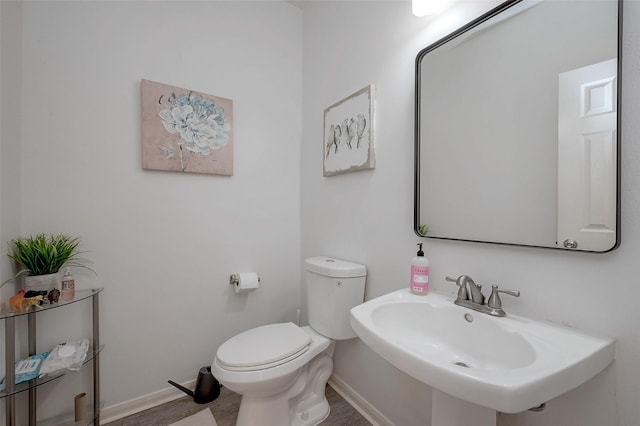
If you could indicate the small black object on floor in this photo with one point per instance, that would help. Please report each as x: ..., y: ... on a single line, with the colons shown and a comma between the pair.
x: 207, y: 387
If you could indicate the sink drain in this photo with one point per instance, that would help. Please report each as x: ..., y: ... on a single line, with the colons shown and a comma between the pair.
x: 461, y: 364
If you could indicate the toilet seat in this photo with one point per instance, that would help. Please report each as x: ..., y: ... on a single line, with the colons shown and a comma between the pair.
x: 263, y: 347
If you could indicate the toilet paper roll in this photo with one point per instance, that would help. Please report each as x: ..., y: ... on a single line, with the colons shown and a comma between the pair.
x: 80, y: 407
x: 247, y: 281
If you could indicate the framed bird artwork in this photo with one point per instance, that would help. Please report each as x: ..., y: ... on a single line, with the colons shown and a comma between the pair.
x: 348, y: 134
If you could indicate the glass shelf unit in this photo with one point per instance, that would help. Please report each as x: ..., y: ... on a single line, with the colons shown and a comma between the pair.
x: 25, y: 386
x: 93, y: 356
x: 79, y: 296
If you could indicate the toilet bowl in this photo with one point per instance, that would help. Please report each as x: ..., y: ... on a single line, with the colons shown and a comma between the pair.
x: 281, y: 370
x: 267, y: 392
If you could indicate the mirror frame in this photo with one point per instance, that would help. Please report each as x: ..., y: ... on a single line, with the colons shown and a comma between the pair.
x: 467, y: 27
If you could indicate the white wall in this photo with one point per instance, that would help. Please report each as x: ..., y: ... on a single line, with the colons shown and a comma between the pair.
x: 10, y: 127
x: 164, y: 244
x: 10, y: 131
x: 367, y: 216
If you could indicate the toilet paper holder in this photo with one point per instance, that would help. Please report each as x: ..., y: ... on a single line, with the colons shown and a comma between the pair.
x: 233, y: 279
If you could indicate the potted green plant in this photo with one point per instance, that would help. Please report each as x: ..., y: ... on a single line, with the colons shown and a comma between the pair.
x: 41, y: 256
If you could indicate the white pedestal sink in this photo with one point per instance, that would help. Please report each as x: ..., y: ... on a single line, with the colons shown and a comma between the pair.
x: 476, y: 363
x: 447, y: 410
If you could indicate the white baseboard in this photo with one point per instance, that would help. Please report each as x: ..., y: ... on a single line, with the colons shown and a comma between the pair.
x: 135, y: 405
x: 368, y: 411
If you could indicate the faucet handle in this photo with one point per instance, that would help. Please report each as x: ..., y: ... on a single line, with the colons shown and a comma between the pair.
x: 461, y: 282
x: 494, y: 301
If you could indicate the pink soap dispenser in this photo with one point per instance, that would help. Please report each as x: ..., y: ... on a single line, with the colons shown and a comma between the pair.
x: 419, y: 273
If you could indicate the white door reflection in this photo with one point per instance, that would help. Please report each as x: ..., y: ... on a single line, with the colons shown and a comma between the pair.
x: 587, y: 157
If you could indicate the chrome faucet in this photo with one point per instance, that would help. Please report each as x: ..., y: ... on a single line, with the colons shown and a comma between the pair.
x: 468, y: 288
x: 470, y: 296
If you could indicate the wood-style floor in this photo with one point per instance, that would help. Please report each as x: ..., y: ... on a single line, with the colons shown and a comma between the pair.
x: 225, y: 410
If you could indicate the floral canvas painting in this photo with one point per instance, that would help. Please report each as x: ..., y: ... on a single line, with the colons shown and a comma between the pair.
x: 348, y: 134
x: 186, y: 131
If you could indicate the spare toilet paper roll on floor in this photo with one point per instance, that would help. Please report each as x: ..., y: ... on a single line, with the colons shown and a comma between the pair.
x: 80, y: 407
x: 247, y: 281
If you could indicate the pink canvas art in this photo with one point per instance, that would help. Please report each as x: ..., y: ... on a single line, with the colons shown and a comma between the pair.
x: 186, y: 131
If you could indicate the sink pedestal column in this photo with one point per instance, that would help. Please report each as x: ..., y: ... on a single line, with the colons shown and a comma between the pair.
x: 447, y: 410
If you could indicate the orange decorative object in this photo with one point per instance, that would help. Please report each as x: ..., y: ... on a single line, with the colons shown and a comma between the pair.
x: 15, y: 302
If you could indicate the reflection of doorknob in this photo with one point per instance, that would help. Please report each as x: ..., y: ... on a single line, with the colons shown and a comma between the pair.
x: 570, y: 243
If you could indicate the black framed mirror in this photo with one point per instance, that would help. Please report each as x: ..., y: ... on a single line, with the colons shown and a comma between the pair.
x: 517, y: 118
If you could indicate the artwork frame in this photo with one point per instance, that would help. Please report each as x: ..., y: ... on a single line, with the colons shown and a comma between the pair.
x: 185, y: 131
x: 348, y: 134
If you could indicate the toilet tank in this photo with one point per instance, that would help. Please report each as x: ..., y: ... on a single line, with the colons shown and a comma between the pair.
x: 333, y: 287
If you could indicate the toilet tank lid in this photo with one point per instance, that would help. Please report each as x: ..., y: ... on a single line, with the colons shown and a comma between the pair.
x: 331, y: 267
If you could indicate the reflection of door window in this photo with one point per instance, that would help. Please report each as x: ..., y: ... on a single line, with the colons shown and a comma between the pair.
x: 587, y: 157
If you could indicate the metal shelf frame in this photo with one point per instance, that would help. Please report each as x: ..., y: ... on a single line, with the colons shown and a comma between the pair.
x: 11, y: 389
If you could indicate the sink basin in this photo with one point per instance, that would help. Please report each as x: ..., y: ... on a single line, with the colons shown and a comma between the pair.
x: 507, y: 364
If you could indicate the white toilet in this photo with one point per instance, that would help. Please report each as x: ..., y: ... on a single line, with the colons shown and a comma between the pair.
x: 281, y: 370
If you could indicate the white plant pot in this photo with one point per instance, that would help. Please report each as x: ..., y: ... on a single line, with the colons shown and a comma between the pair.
x: 41, y: 282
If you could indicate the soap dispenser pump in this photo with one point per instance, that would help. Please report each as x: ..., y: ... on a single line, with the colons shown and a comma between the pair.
x: 419, y: 273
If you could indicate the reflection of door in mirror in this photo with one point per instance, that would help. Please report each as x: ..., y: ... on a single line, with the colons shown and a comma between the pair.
x: 587, y: 157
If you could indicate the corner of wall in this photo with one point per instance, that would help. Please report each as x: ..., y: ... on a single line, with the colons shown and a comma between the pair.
x: 10, y: 124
